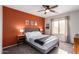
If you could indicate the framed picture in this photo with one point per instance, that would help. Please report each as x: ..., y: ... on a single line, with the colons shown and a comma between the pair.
x: 47, y: 26
x: 32, y: 22
x: 27, y: 22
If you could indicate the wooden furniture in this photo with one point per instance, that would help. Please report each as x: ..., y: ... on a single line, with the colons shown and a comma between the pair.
x: 76, y: 45
x: 20, y: 39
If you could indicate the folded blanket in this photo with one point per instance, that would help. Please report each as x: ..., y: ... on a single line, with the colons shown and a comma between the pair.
x: 41, y: 41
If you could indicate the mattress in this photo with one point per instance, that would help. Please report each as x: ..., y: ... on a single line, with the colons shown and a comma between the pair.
x: 53, y: 40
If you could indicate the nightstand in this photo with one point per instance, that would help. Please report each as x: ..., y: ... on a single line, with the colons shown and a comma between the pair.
x: 76, y: 45
x: 21, y: 39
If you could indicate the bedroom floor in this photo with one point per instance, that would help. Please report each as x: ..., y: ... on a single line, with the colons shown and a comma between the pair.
x: 64, y: 48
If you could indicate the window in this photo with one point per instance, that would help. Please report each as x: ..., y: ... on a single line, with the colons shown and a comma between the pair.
x: 55, y: 27
x: 62, y: 26
x: 59, y: 26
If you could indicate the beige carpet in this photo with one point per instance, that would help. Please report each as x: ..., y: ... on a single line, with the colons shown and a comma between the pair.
x: 64, y: 48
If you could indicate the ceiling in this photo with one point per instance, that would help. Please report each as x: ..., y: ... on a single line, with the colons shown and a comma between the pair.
x: 33, y: 9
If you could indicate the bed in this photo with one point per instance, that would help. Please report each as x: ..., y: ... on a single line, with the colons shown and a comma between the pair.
x: 43, y: 43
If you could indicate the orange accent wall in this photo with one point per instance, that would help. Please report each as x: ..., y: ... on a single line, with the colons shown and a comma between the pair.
x: 13, y: 21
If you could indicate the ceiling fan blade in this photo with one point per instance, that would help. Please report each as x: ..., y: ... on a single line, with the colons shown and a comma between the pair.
x: 45, y: 12
x: 52, y: 11
x: 54, y: 6
x: 46, y: 6
x: 41, y: 10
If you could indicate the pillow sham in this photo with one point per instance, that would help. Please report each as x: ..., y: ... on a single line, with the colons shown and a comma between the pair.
x: 36, y: 33
x: 33, y: 34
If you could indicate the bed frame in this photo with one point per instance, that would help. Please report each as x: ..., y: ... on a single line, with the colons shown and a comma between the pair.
x: 41, y: 50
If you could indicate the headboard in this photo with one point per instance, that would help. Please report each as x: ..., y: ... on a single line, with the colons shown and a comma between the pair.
x: 31, y: 29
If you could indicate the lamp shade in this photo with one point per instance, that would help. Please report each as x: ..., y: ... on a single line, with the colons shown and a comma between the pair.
x: 35, y: 23
x: 41, y: 29
x: 21, y: 30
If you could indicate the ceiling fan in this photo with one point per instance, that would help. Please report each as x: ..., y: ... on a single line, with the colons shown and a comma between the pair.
x: 48, y: 8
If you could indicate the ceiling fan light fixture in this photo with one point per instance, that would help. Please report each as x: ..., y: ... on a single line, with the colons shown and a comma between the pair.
x: 47, y: 11
x: 48, y: 8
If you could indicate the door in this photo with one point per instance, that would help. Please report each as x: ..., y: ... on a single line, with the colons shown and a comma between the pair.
x: 59, y: 28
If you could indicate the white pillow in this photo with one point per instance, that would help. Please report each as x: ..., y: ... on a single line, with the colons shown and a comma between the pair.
x: 29, y: 34
x: 33, y: 34
x: 36, y: 33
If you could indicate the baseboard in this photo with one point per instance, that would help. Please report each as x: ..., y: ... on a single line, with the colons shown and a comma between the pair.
x: 9, y: 46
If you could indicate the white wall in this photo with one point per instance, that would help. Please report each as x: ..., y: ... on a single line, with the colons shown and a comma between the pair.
x: 0, y: 28
x: 74, y: 22
x: 48, y: 21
